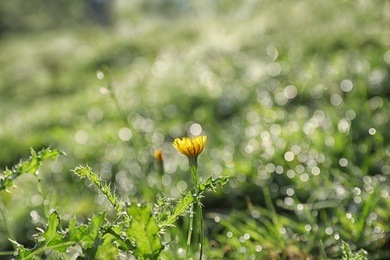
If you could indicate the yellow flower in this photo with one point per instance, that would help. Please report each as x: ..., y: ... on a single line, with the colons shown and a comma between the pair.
x: 190, y: 147
x: 158, y: 155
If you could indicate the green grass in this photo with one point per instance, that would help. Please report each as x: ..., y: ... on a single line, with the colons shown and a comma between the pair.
x: 293, y: 96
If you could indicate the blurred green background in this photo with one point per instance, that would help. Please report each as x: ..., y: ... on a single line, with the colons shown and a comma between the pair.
x: 293, y: 96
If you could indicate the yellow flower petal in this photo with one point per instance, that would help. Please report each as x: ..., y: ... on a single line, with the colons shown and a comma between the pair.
x: 190, y: 147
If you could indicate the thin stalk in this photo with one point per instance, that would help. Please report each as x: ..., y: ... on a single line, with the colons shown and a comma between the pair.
x: 121, y: 111
x: 39, y: 185
x: 201, y: 235
x: 198, y: 208
x: 41, y: 249
x: 10, y: 253
x: 117, y: 105
x: 194, y: 173
x: 190, y: 229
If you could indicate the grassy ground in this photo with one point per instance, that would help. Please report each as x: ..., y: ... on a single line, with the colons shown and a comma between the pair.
x: 293, y: 96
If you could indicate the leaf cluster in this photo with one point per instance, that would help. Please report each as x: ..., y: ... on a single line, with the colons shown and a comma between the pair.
x: 135, y: 229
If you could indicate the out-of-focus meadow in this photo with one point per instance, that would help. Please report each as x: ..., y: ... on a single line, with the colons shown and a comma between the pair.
x: 293, y: 96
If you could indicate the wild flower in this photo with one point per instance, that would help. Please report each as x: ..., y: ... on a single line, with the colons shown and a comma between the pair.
x: 190, y: 147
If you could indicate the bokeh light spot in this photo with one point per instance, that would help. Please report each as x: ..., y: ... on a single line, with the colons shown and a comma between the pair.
x: 125, y: 134
x: 289, y: 156
x: 95, y: 114
x: 195, y: 129
x: 100, y: 74
x: 307, y: 227
x: 336, y: 100
x: 343, y: 162
x: 372, y: 131
x: 290, y: 191
x: 273, y: 69
x: 290, y: 91
x: 81, y: 136
x: 290, y: 174
x: 344, y: 125
x: 304, y: 177
x: 328, y: 230
x: 346, y: 85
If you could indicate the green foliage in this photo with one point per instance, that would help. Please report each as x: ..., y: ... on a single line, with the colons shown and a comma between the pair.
x: 144, y: 229
x: 86, y: 172
x: 28, y: 166
x: 55, y: 239
x: 181, y: 207
x: 134, y: 230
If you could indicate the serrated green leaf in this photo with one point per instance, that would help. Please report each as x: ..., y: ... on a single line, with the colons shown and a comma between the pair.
x: 82, y: 171
x: 144, y: 229
x: 51, y: 236
x: 77, y: 233
x: 48, y: 239
x: 22, y: 251
x: 123, y: 242
x: 182, y: 206
x: 31, y: 165
x: 107, y: 249
x: 86, y: 234
x: 49, y: 154
x: 211, y: 184
x: 92, y: 231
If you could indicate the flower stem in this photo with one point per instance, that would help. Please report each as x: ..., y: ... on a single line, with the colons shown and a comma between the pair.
x: 201, y: 234
x: 194, y: 173
x: 190, y: 228
x: 197, y: 209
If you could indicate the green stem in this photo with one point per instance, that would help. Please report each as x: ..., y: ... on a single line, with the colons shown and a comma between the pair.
x: 194, y: 173
x: 190, y: 229
x: 41, y: 249
x: 201, y: 235
x: 198, y: 209
x: 10, y: 253
x: 39, y: 185
x: 160, y: 173
x: 117, y: 105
